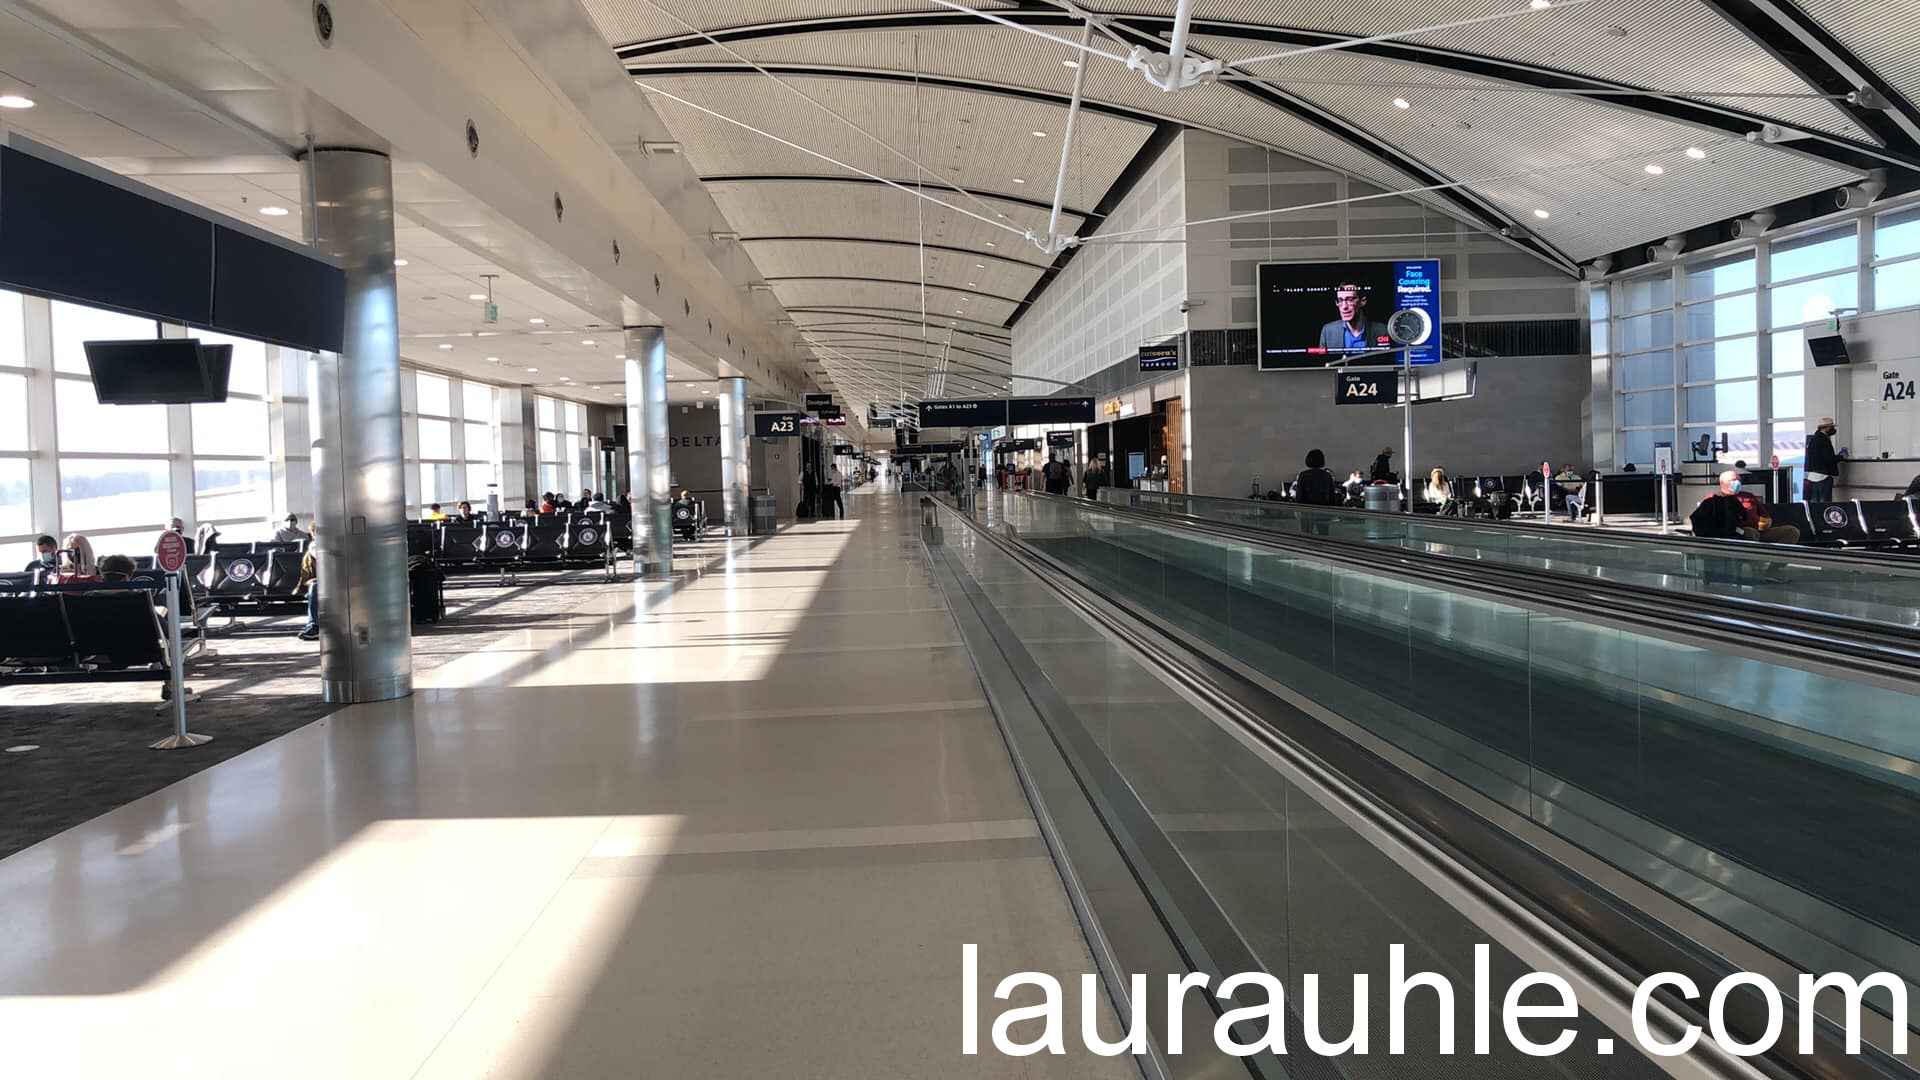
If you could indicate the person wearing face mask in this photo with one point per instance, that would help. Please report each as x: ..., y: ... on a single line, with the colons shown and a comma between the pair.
x: 1823, y: 465
x: 46, y: 554
x: 1732, y: 514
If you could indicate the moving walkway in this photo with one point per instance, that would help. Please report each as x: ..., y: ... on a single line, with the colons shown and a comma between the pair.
x: 1304, y: 749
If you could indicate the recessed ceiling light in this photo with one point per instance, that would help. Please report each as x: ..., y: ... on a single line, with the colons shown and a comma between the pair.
x: 1655, y: 170
x: 593, y: 388
x: 1039, y: 134
x: 971, y: 284
x: 533, y: 370
x: 493, y: 359
x: 1542, y: 214
x: 446, y: 345
x: 15, y: 101
x: 1069, y: 63
x: 399, y: 262
x: 1696, y: 153
x: 706, y: 391
x: 476, y: 296
x: 1540, y: 5
x: 991, y: 244
x: 274, y: 211
x: 537, y: 321
x: 622, y: 356
x: 1402, y: 103
x: 1017, y: 180
x: 589, y: 342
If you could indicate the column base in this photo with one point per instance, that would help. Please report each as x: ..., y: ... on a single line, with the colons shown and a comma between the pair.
x: 357, y: 691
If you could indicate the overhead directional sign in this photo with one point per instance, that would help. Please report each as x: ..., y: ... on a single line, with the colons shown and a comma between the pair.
x: 1057, y: 439
x: 774, y: 425
x: 816, y: 402
x: 1050, y: 410
x: 966, y: 412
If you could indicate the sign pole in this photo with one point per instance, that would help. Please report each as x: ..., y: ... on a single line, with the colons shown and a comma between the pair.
x: 1406, y: 463
x: 176, y: 675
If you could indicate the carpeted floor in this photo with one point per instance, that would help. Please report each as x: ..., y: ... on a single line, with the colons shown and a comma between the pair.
x: 91, y: 738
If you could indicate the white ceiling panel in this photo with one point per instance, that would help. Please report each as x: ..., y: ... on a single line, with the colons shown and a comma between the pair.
x: 815, y: 208
x: 942, y: 304
x: 787, y: 258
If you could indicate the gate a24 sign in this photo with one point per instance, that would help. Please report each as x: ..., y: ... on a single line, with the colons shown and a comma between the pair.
x: 1366, y: 387
x: 1896, y: 389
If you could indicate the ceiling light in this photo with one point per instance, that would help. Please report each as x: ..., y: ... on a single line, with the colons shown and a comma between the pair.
x: 1402, y: 103
x: 1540, y: 5
x: 1017, y: 180
x: 593, y: 388
x: 991, y: 244
x: 589, y: 342
x: 622, y: 356
x: 15, y: 101
x: 706, y: 391
x: 1655, y: 170
x: 399, y: 262
x: 1039, y: 134
x: 446, y: 345
x: 1542, y: 214
x: 274, y: 211
x: 533, y: 371
x: 1696, y: 153
x: 493, y: 359
x: 476, y: 296
x: 971, y: 284
x: 1069, y: 63
x: 537, y: 321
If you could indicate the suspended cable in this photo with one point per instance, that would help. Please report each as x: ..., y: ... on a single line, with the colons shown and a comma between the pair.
x: 1502, y: 88
x: 1037, y: 32
x: 1333, y: 46
x: 1066, y: 148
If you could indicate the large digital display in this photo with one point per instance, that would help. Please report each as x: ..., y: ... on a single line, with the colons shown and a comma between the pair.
x: 1311, y: 314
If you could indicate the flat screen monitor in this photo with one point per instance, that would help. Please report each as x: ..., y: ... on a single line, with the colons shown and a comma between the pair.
x: 173, y: 371
x: 1312, y: 314
x: 1828, y: 350
x: 1136, y: 464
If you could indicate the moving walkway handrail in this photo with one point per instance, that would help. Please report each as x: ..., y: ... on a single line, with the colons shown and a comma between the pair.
x: 1860, y: 649
x: 1851, y: 558
x: 1531, y: 869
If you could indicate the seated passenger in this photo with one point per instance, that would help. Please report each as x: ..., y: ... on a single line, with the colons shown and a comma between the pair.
x: 1382, y: 471
x: 81, y: 550
x: 116, y: 568
x: 599, y: 502
x: 46, y: 554
x: 1440, y: 492
x: 434, y: 513
x: 1314, y: 486
x: 290, y: 531
x: 546, y: 503
x: 1732, y: 514
x: 1569, y: 481
x: 1913, y: 488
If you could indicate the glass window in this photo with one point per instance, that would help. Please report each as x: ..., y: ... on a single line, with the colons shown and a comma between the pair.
x: 1743, y: 442
x: 479, y: 476
x: 574, y: 420
x: 436, y: 484
x: 1812, y: 301
x: 1645, y: 331
x: 74, y: 325
x: 1723, y: 401
x: 1897, y: 285
x: 1897, y: 234
x: 232, y: 490
x: 1720, y: 318
x: 477, y: 401
x: 16, y: 500
x: 13, y: 333
x: 543, y: 412
x: 13, y: 410
x: 113, y: 493
x: 131, y: 542
x: 1646, y: 409
x: 14, y: 556
x: 1814, y: 253
x: 1735, y: 358
x: 249, y: 372
x: 436, y: 439
x: 1599, y: 306
x: 86, y: 425
x: 1637, y: 446
x: 479, y: 440
x: 1647, y: 293
x: 1718, y: 277
x: 550, y: 479
x: 1789, y: 350
x: 433, y: 395
x: 1642, y: 370
x: 1790, y: 442
x: 549, y: 446
x: 236, y: 426
x: 1601, y: 335
x: 1790, y: 395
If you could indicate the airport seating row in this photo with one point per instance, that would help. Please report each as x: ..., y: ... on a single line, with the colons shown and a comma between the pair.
x: 82, y: 632
x: 1856, y: 523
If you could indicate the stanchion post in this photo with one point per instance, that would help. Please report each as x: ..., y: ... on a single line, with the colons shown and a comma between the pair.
x: 176, y: 675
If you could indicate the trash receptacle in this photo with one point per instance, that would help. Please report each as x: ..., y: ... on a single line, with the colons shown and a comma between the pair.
x: 1383, y: 497
x: 764, y: 517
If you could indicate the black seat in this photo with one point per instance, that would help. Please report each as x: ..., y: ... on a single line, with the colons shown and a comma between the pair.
x: 143, y: 562
x: 283, y: 572
x: 546, y: 540
x: 1795, y: 514
x: 33, y: 630
x: 116, y: 627
x: 503, y: 543
x: 268, y: 547
x: 622, y: 530
x: 1888, y: 521
x: 420, y: 538
x: 1837, y: 522
x: 461, y: 543
x: 587, y: 539
x: 235, y: 575
x: 195, y: 566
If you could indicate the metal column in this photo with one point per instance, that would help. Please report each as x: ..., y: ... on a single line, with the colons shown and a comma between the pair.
x: 647, y: 465
x: 358, y: 456
x: 736, y: 453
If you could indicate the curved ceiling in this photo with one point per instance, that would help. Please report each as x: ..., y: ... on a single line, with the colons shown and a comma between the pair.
x: 1499, y: 117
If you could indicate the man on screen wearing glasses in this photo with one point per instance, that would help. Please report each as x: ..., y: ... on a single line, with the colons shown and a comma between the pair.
x: 1352, y: 332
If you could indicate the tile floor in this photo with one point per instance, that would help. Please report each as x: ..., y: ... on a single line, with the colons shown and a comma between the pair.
x: 740, y: 822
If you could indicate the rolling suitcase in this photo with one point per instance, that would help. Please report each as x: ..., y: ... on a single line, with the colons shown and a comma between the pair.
x: 424, y: 583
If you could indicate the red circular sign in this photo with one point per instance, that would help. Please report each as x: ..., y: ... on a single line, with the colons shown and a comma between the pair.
x: 170, y: 551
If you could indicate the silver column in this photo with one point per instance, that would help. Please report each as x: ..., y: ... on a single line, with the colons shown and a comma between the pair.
x: 366, y: 648
x: 736, y: 452
x: 647, y: 463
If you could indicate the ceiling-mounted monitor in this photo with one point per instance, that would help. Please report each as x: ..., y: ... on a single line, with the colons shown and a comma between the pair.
x: 1828, y: 350
x: 169, y: 371
x: 1315, y: 314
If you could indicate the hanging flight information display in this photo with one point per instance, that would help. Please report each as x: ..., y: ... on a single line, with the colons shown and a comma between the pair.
x: 1313, y: 314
